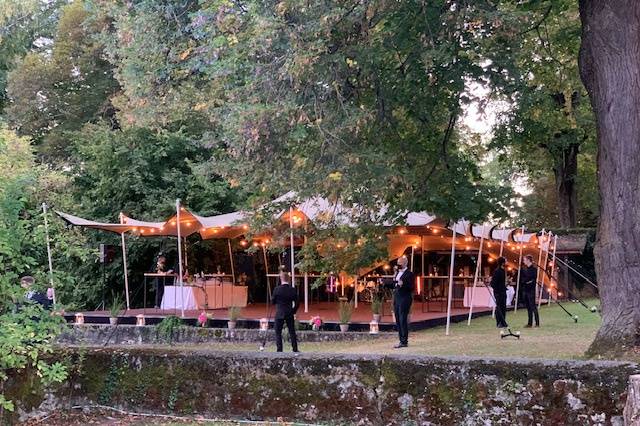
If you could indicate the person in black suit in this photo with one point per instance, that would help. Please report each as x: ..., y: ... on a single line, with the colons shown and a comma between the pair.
x: 34, y: 296
x: 528, y: 282
x: 403, y: 284
x: 161, y: 267
x: 499, y: 285
x: 285, y: 299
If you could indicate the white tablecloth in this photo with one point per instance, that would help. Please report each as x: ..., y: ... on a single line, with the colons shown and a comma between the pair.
x: 482, y: 297
x: 211, y: 296
x: 177, y: 297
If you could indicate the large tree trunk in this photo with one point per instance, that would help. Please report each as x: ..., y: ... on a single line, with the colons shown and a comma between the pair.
x: 610, y: 70
x: 565, y: 171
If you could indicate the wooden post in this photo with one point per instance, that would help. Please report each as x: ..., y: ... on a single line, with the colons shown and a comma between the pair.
x: 46, y: 231
x: 540, y: 273
x: 124, y: 265
x: 451, y: 265
x: 544, y: 270
x: 293, y: 264
x: 515, y: 305
x: 179, y: 257
x: 475, y: 277
x: 553, y: 267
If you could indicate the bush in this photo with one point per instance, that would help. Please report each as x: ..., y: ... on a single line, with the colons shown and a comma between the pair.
x: 345, y: 309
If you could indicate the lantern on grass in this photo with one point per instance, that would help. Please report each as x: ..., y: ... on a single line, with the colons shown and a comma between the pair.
x: 79, y: 318
x: 140, y: 321
x: 264, y: 324
x: 374, y: 328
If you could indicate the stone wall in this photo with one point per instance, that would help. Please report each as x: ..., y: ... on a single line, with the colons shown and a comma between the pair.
x: 93, y: 334
x: 329, y: 389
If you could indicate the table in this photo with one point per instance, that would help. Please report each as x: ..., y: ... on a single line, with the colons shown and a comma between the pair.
x: 208, y: 296
x: 158, y: 276
x: 484, y: 296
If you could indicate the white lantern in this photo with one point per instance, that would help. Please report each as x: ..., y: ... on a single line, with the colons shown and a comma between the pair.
x: 264, y: 324
x: 140, y: 321
x: 79, y: 318
x: 373, y: 327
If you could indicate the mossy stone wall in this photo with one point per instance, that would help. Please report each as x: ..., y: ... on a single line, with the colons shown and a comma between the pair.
x: 329, y: 389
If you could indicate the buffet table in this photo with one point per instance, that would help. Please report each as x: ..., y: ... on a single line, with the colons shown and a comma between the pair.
x: 210, y: 295
x: 483, y: 296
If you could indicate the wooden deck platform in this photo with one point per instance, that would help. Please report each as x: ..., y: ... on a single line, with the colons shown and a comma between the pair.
x: 423, y: 316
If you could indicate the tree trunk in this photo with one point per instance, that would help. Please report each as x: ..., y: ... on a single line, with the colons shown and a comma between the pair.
x: 565, y: 171
x: 610, y: 69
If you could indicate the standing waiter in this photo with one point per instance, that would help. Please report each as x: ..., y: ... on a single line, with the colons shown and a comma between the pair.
x: 498, y: 283
x: 285, y: 298
x: 402, y: 299
x: 528, y: 282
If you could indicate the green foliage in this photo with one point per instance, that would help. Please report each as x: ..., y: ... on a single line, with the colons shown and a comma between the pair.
x: 53, y: 92
x: 376, y: 305
x: 27, y: 336
x: 168, y: 327
x: 550, y: 120
x: 116, y: 306
x: 345, y: 311
x: 234, y: 313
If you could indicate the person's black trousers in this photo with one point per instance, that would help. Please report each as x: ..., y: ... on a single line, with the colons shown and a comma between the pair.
x: 532, y: 308
x: 501, y: 309
x: 279, y: 323
x: 160, y: 282
x: 401, y: 309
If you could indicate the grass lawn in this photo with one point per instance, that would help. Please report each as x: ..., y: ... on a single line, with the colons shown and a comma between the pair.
x: 559, y: 337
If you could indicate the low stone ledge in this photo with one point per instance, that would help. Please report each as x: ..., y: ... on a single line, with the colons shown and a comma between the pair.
x: 342, y: 389
x: 93, y: 334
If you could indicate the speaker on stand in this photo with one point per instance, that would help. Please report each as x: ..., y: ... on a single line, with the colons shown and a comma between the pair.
x: 106, y: 255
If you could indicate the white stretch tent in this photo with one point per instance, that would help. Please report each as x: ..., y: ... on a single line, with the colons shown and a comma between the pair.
x: 418, y: 227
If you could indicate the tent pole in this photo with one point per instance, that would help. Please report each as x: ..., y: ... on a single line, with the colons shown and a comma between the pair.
x: 266, y: 271
x: 306, y: 278
x: 412, y: 253
x: 515, y: 305
x: 450, y: 295
x: 355, y: 292
x: 493, y: 311
x: 538, y: 282
x: 124, y: 265
x: 233, y: 269
x: 475, y: 278
x: 186, y: 258
x: 421, y: 282
x: 544, y: 269
x: 46, y: 231
x: 293, y: 265
x: 553, y: 267
x: 178, y: 226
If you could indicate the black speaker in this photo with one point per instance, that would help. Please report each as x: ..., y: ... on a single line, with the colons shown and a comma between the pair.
x: 107, y: 253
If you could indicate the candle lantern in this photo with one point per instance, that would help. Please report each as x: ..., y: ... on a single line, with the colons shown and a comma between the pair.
x: 264, y: 324
x: 79, y: 318
x: 374, y: 327
x: 140, y: 321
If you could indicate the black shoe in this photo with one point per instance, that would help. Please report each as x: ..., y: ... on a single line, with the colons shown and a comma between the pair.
x: 537, y: 325
x: 528, y: 326
x: 400, y: 345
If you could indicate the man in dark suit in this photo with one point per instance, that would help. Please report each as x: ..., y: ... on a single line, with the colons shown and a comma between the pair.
x: 285, y: 299
x: 403, y: 284
x: 528, y: 283
x: 499, y: 285
x: 34, y: 296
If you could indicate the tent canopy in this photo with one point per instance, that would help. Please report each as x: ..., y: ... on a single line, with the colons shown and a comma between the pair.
x: 221, y: 226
